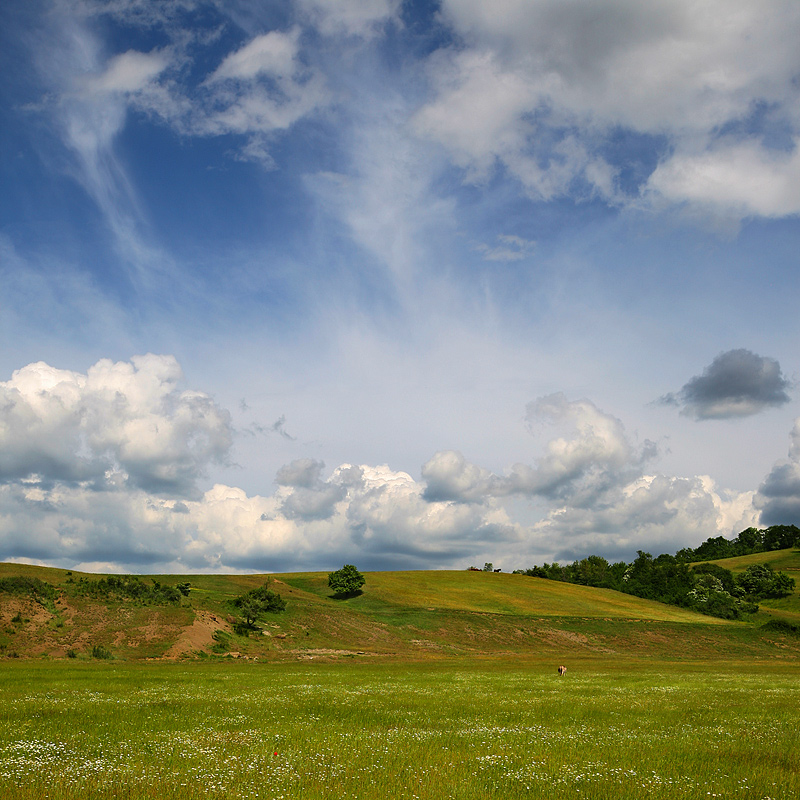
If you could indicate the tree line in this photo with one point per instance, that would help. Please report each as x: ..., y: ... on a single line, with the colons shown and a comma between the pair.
x: 708, y: 588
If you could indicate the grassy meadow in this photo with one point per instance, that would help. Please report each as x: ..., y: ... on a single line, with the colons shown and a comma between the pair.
x: 357, y: 730
x: 429, y: 685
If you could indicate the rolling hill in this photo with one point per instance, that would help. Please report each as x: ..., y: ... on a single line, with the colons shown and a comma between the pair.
x: 400, y: 615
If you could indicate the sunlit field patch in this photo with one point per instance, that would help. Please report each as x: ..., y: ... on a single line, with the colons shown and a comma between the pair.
x: 364, y: 731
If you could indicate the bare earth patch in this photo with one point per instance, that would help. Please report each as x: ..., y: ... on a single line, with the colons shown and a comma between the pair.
x: 198, y: 636
x: 31, y: 611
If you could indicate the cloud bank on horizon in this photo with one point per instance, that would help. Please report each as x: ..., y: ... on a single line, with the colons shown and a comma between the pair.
x: 412, y: 274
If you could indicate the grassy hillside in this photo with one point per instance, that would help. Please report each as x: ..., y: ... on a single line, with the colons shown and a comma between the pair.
x: 492, y: 593
x: 783, y: 560
x: 405, y: 615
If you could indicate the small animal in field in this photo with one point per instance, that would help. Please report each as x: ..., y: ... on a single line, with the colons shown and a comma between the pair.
x: 562, y: 670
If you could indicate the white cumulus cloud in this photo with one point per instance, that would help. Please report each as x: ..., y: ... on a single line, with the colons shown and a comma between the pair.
x: 123, y: 421
x: 538, y: 87
x: 106, y: 468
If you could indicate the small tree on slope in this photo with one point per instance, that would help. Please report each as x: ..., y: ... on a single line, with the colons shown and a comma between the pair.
x: 346, y: 582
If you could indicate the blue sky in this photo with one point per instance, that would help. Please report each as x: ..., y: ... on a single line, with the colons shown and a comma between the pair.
x: 408, y: 285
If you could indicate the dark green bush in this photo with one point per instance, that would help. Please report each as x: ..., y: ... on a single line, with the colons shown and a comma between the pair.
x: 760, y: 580
x: 22, y: 586
x: 128, y: 587
x: 725, y: 576
x: 100, y: 651
x: 346, y: 582
x: 781, y: 626
x: 257, y: 602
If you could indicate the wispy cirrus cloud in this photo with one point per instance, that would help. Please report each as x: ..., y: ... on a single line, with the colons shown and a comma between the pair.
x: 363, y: 18
x: 508, y: 248
x: 254, y: 93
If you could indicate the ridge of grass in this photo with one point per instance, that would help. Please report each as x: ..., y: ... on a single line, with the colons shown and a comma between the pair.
x: 421, y: 615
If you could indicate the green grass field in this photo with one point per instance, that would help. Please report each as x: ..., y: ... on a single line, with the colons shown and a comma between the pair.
x: 429, y: 685
x: 438, y: 730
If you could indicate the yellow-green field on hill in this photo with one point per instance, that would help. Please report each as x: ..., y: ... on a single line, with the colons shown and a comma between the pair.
x: 424, y: 615
x: 496, y: 593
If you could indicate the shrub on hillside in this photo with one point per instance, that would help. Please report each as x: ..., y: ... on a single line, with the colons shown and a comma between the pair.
x: 760, y: 580
x: 128, y: 587
x: 257, y: 602
x: 22, y: 586
x: 781, y: 626
x: 724, y: 576
x: 710, y: 596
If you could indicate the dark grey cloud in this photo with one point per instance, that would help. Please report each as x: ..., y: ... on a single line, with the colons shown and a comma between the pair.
x: 279, y: 426
x: 778, y: 497
x: 257, y: 429
x: 737, y: 383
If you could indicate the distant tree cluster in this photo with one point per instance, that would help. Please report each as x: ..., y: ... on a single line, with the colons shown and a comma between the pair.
x: 130, y: 587
x: 749, y: 541
x: 708, y: 588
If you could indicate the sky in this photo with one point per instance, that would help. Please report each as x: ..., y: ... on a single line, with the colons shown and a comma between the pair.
x: 408, y: 285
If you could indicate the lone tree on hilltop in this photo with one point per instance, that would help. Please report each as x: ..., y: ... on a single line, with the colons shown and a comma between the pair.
x: 346, y: 582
